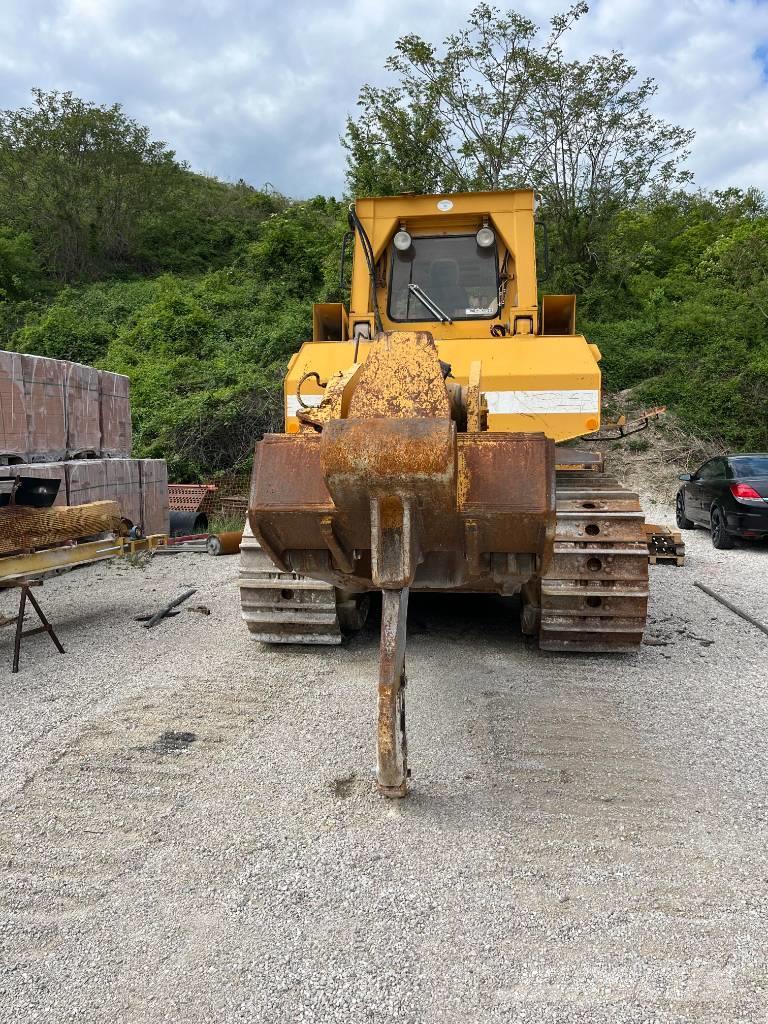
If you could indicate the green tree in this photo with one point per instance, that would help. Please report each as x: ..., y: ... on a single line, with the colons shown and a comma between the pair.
x: 80, y: 178
x: 456, y: 120
x: 499, y: 106
x: 209, y: 223
x: 678, y: 309
x: 20, y: 272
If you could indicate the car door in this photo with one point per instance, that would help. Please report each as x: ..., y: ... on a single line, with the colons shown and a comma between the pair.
x: 694, y: 504
x: 712, y: 485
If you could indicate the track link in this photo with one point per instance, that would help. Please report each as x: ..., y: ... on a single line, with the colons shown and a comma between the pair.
x: 594, y: 594
x: 284, y: 607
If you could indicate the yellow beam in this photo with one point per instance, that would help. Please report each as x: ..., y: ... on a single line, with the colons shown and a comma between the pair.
x: 39, y: 562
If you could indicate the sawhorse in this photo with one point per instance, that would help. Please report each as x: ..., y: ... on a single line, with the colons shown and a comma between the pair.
x: 25, y: 586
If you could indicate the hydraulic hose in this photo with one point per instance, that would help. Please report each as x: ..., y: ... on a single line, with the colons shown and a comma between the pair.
x: 369, y: 259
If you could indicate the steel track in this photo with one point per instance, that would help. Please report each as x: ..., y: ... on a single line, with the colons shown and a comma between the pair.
x: 284, y: 608
x: 594, y: 594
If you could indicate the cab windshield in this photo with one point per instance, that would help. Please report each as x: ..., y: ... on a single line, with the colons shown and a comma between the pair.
x: 445, y: 277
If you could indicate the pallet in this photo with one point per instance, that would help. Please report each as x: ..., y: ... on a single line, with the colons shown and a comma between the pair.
x: 235, y: 506
x: 670, y: 558
x: 664, y: 545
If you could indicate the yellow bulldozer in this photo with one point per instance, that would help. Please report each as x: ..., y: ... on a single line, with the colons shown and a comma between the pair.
x: 423, y: 450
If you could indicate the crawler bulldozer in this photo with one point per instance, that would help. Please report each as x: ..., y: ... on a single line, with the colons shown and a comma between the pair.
x: 424, y: 449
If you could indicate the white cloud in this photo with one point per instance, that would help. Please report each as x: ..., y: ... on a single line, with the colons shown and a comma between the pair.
x: 703, y: 56
x: 247, y: 88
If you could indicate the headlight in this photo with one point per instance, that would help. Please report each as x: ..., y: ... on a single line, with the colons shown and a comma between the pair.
x: 402, y: 241
x: 485, y: 238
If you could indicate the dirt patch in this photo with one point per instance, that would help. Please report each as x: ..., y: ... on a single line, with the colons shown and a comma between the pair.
x: 651, y: 460
x: 344, y: 785
x: 172, y: 742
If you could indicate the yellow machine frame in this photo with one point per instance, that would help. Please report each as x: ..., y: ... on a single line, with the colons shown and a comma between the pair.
x: 539, y: 375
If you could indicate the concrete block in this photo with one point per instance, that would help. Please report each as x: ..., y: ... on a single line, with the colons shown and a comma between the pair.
x: 14, y: 441
x: 46, y: 409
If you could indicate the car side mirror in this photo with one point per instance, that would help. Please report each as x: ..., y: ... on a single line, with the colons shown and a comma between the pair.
x: 685, y: 477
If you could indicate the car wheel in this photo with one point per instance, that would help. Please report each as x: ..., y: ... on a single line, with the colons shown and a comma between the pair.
x: 721, y: 539
x: 682, y: 519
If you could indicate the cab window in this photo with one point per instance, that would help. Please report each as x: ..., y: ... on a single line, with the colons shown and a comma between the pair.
x: 444, y: 277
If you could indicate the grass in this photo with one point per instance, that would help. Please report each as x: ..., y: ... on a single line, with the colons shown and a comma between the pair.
x: 225, y: 524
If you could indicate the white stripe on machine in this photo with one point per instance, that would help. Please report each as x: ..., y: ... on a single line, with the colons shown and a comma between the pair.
x: 537, y: 402
x: 292, y: 402
x: 507, y: 402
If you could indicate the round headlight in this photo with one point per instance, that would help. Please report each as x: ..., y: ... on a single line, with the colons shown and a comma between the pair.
x: 485, y: 238
x: 402, y: 241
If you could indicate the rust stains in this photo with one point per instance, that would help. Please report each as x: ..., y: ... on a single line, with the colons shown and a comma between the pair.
x: 401, y: 378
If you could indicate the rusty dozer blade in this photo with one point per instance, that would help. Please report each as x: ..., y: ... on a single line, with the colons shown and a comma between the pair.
x: 394, y: 496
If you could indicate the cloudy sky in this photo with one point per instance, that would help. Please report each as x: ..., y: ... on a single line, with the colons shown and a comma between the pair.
x: 246, y: 88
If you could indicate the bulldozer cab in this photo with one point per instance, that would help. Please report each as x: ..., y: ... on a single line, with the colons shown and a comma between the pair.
x: 463, y: 269
x: 466, y: 263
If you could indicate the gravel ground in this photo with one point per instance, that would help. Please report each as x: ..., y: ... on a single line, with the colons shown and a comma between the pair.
x: 189, y: 833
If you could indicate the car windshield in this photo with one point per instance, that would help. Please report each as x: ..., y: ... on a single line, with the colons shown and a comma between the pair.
x: 447, y: 277
x: 750, y: 466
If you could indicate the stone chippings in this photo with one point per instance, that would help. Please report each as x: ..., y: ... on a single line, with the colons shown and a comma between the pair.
x: 189, y: 832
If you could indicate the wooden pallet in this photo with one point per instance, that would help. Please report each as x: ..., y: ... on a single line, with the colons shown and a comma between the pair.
x: 234, y: 505
x: 664, y: 545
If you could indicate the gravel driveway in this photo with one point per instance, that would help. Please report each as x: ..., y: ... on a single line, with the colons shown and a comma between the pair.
x: 188, y: 830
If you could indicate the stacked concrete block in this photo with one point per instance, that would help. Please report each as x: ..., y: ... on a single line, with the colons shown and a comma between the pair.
x: 46, y: 408
x: 58, y: 417
x: 115, y: 415
x: 155, y: 515
x: 86, y: 481
x: 123, y: 485
x: 83, y: 402
x: 54, y: 409
x: 13, y: 409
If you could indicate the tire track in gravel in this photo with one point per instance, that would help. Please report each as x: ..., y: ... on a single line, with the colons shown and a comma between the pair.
x: 84, y: 822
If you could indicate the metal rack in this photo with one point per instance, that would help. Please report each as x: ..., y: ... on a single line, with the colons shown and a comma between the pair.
x: 27, y: 569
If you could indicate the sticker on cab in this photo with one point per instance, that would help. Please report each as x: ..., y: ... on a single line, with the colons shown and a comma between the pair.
x: 445, y: 205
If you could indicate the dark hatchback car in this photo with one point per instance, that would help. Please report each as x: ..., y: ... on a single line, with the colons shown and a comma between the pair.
x: 728, y: 495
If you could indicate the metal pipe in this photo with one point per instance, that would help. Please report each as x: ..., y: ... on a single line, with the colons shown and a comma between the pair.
x: 738, y: 611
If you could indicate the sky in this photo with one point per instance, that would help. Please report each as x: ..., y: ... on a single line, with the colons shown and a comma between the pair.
x: 261, y: 91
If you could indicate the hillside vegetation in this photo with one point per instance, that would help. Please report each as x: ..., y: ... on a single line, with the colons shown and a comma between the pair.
x: 114, y: 253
